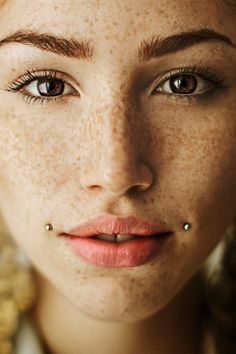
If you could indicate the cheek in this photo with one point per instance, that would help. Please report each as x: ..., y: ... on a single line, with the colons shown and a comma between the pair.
x: 195, y: 152
x: 195, y: 167
x: 209, y: 167
x: 33, y: 155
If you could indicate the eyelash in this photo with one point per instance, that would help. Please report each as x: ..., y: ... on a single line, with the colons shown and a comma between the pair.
x: 216, y: 79
x: 203, y: 71
x: 30, y: 76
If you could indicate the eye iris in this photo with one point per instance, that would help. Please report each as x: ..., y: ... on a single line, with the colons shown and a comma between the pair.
x: 50, y: 87
x: 183, y: 84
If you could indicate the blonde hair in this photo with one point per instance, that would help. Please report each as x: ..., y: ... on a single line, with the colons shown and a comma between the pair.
x: 17, y: 289
x: 2, y: 2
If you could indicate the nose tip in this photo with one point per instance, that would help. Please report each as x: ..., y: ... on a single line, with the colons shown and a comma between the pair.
x: 119, y: 180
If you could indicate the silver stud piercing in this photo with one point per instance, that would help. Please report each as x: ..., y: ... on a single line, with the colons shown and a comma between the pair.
x: 186, y: 226
x: 48, y: 227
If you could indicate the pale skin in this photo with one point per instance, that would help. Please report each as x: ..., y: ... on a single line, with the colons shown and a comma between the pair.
x: 114, y: 147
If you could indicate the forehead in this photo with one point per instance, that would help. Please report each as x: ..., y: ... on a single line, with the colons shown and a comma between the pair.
x: 75, y: 13
x: 112, y: 23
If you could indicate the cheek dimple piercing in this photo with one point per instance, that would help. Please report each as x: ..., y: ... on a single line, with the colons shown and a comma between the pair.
x: 48, y: 227
x: 186, y: 226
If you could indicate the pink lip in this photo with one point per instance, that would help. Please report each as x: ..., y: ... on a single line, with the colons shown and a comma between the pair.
x: 111, y: 224
x: 111, y: 254
x: 129, y: 253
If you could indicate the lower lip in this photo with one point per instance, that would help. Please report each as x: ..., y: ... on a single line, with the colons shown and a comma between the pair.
x: 129, y: 253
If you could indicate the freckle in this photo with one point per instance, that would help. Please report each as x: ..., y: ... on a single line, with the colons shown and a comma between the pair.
x: 55, y: 7
x: 146, y: 13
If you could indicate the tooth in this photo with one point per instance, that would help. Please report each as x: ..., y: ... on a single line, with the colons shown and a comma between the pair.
x: 106, y: 237
x: 121, y: 238
x: 116, y: 238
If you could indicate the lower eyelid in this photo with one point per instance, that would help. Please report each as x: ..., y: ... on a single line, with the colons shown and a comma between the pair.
x: 203, y: 98
x: 29, y: 99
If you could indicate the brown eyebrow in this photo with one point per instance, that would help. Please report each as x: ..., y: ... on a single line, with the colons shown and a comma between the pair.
x: 156, y: 48
x: 71, y: 48
x: 148, y: 49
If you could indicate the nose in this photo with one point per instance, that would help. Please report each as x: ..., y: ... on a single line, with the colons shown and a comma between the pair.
x: 116, y: 166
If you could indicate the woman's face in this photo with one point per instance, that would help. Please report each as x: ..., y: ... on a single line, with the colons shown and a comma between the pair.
x: 122, y: 138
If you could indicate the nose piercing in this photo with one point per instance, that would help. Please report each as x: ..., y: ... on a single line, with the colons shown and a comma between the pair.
x: 48, y: 227
x: 186, y: 226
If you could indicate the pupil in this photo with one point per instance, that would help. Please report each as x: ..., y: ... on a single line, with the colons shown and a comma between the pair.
x: 183, y: 84
x: 50, y: 87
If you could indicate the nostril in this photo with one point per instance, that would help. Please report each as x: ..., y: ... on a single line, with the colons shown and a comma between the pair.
x: 94, y: 187
x: 91, y: 188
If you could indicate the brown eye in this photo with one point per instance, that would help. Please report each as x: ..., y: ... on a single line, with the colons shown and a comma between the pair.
x: 183, y: 84
x: 50, y: 87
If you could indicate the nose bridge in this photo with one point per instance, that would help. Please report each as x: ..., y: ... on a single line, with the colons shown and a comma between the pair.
x: 119, y: 124
x: 120, y: 140
x: 117, y: 166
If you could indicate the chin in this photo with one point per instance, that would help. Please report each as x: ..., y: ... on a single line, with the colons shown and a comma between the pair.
x: 106, y: 299
x: 114, y: 314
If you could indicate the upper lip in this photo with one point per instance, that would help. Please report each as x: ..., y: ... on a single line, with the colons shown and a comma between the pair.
x: 111, y: 224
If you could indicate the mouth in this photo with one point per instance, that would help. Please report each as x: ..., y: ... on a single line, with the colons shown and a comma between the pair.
x: 123, y: 237
x: 118, y: 250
